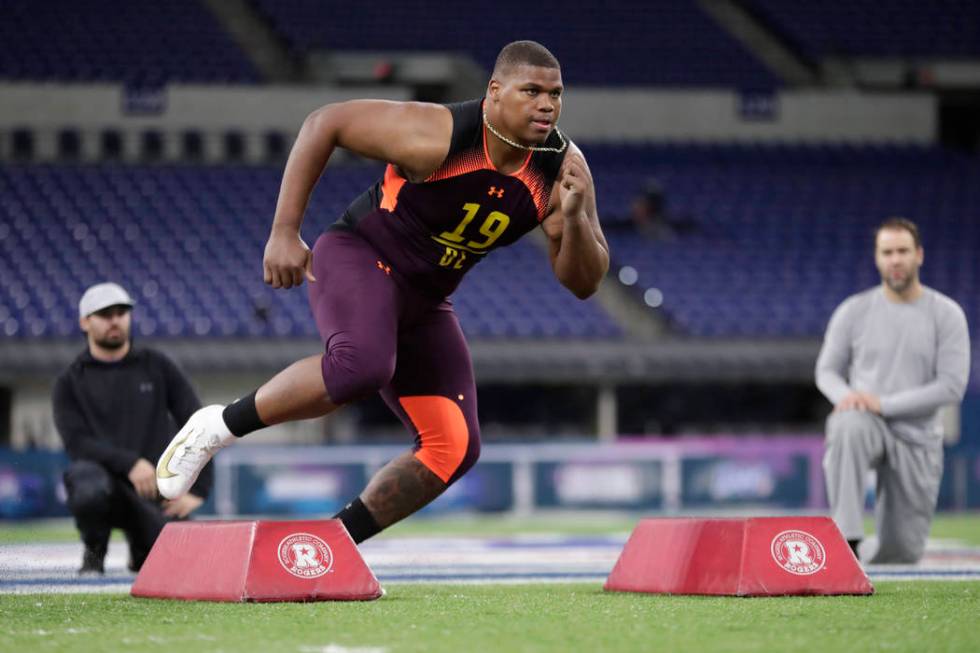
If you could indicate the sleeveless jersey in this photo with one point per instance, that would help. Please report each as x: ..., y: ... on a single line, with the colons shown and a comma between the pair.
x: 432, y: 232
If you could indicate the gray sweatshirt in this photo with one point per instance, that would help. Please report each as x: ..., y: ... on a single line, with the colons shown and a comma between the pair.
x: 915, y: 356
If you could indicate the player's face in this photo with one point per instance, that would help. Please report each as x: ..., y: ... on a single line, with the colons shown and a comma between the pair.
x: 108, y: 328
x: 528, y: 102
x: 897, y: 258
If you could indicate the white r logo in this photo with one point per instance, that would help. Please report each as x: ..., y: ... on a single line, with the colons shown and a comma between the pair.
x: 799, y: 552
x: 305, y: 556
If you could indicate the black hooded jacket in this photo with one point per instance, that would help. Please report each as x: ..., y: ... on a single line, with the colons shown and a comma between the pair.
x: 115, y: 413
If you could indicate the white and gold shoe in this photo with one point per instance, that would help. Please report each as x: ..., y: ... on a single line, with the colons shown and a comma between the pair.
x: 190, y: 450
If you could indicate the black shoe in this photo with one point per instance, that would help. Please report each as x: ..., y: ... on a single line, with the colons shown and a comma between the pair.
x: 137, y: 556
x: 93, y: 562
x: 854, y: 544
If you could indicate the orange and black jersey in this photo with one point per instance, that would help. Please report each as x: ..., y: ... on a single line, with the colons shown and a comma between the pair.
x: 432, y: 232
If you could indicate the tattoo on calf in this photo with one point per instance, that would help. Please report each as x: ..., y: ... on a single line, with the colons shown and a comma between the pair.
x: 401, y: 487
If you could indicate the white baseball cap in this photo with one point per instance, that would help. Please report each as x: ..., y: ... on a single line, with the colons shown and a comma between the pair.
x: 103, y: 295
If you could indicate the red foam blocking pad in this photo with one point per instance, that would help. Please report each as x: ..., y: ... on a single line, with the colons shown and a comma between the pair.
x: 256, y: 561
x: 761, y: 556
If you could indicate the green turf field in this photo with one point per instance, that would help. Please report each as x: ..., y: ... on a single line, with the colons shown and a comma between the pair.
x: 902, y: 616
x: 62, y: 530
x: 964, y: 527
x: 921, y: 616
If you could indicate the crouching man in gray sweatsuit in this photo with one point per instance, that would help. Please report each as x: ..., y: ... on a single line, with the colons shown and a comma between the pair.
x: 891, y: 357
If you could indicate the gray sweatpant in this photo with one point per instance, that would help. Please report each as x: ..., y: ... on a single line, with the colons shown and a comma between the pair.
x: 907, y: 487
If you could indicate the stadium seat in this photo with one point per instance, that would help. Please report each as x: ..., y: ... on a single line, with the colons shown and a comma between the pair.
x: 901, y: 28
x: 659, y: 42
x: 138, y: 42
x: 187, y: 241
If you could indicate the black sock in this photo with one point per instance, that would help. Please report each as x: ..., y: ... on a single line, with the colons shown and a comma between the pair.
x: 241, y: 417
x: 358, y: 521
x: 854, y: 547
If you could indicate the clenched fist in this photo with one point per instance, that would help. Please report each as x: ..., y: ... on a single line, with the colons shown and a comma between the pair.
x: 573, y: 184
x: 287, y: 260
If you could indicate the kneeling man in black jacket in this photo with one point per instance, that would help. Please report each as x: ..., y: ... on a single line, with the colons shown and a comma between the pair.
x: 117, y: 408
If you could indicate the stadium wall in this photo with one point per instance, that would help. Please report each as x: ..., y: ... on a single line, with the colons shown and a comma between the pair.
x: 714, y: 474
x: 591, y: 114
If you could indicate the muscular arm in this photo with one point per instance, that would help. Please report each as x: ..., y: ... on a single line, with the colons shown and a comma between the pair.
x: 414, y: 136
x: 576, y: 246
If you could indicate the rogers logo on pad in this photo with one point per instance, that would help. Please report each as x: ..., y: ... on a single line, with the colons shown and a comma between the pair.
x: 798, y: 552
x: 305, y: 556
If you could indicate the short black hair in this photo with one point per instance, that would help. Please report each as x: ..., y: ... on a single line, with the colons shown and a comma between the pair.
x: 900, y: 224
x: 530, y: 53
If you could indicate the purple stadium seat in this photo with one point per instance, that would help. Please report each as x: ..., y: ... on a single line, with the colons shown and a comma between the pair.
x: 781, y: 235
x: 784, y: 233
x: 139, y: 42
x: 654, y: 42
x: 900, y: 28
x: 144, y: 225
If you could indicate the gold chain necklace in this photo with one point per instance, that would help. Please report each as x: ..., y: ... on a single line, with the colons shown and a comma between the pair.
x: 532, y: 148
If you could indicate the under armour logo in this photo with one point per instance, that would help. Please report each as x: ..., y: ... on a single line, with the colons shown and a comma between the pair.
x: 146, y: 386
x: 499, y: 192
x: 384, y: 268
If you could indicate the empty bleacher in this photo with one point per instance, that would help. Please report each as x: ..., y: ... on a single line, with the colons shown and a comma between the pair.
x: 137, y: 42
x: 661, y: 42
x: 900, y: 28
x: 784, y: 233
x: 187, y: 241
